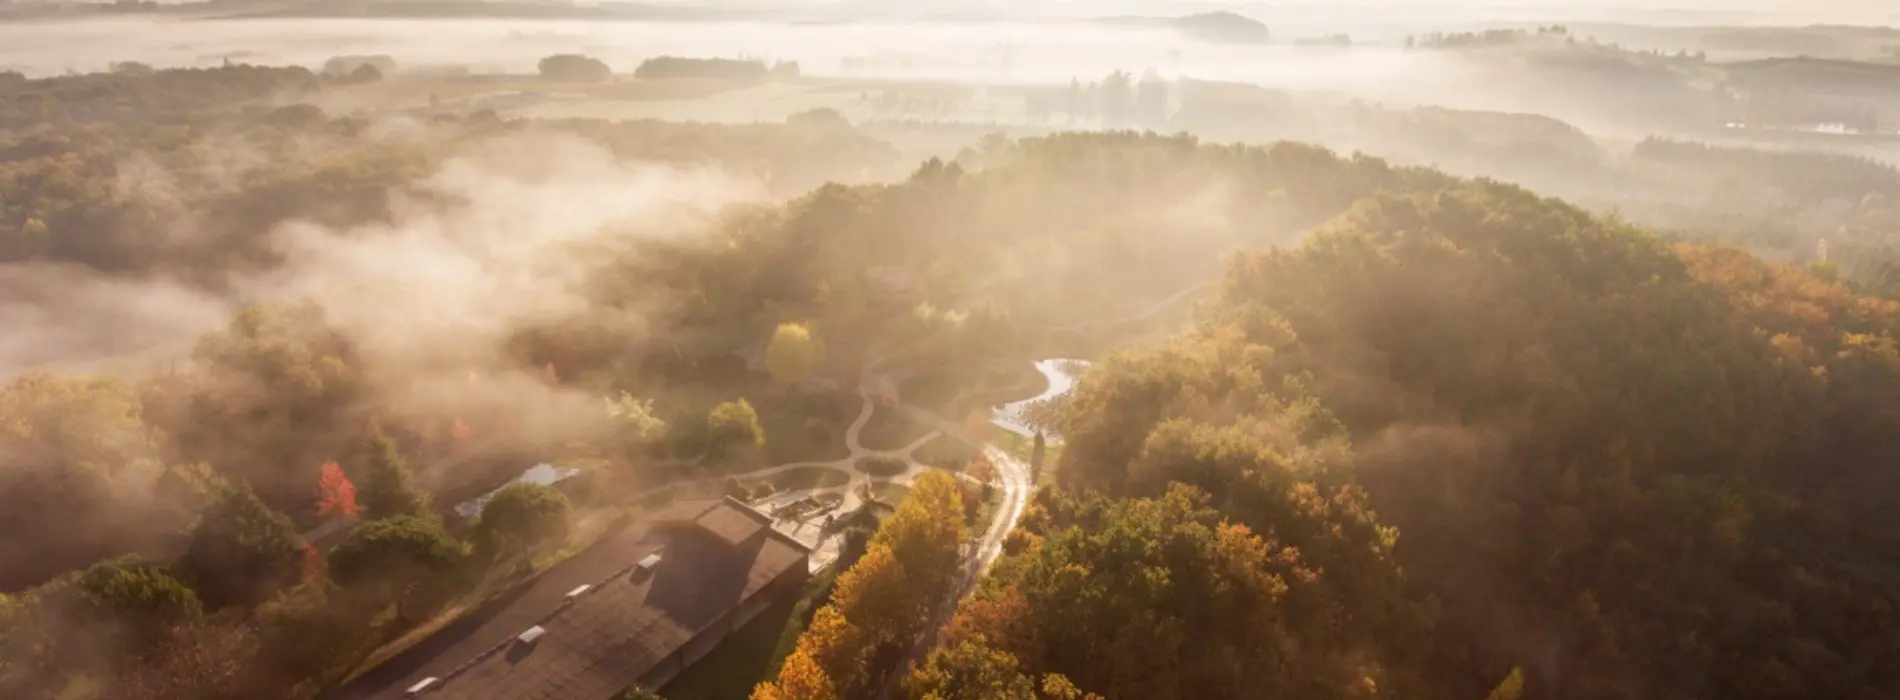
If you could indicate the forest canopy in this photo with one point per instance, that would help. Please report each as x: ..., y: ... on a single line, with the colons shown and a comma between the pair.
x: 1423, y: 436
x: 1632, y: 452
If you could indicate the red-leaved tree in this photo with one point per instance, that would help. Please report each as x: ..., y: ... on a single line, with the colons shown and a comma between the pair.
x: 336, y: 496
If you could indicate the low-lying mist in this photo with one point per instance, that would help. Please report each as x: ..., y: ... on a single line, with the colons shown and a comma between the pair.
x: 1598, y: 91
x: 501, y: 237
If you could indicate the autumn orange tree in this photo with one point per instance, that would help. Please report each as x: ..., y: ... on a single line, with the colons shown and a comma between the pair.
x: 336, y: 495
x: 1154, y: 598
x: 882, y: 603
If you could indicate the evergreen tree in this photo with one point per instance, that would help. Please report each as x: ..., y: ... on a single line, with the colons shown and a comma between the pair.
x: 242, y: 552
x: 386, y: 491
x: 403, y: 559
x: 1036, y: 453
x: 143, y: 599
x: 522, y: 515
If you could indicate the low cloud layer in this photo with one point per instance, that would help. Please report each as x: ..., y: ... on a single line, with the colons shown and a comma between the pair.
x: 503, y: 236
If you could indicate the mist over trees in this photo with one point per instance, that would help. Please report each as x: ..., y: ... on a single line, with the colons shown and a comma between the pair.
x: 664, y: 67
x: 1525, y: 485
x: 575, y: 68
x: 1420, y: 436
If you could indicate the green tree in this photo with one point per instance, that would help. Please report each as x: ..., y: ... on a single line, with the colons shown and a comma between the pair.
x: 308, y: 632
x: 732, y: 428
x: 90, y: 625
x: 631, y: 423
x: 1038, y: 450
x: 522, y: 515
x: 575, y: 67
x: 385, y: 490
x: 401, y: 559
x: 242, y: 552
x: 275, y: 393
x: 140, y: 598
x: 75, y: 452
x: 793, y: 354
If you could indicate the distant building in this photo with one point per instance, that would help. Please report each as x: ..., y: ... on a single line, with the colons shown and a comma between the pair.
x: 637, y: 608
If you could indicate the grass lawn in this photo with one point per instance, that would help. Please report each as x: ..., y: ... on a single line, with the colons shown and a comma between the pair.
x: 1012, y: 443
x: 946, y: 453
x: 882, y: 467
x: 889, y: 493
x: 808, y: 478
x: 753, y: 653
x: 935, y: 390
x: 931, y: 390
x: 805, y: 429
x: 889, y: 429
x: 798, y: 427
x: 1016, y: 383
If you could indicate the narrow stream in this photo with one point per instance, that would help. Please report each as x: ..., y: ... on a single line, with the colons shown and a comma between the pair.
x: 1061, y: 373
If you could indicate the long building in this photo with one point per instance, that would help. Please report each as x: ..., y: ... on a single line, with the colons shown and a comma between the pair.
x: 637, y: 608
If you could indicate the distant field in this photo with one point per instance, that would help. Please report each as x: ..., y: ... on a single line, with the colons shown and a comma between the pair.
x: 768, y: 102
x: 414, y: 91
x: 688, y: 99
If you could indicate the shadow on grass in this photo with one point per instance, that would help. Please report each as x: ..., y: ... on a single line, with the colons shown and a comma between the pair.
x: 890, y: 429
x: 807, y: 478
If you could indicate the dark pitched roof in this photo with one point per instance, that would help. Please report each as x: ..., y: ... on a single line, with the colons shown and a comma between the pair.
x: 732, y: 526
x: 608, y: 638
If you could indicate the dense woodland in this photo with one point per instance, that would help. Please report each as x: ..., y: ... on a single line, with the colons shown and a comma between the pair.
x: 1462, y: 440
x: 1633, y: 453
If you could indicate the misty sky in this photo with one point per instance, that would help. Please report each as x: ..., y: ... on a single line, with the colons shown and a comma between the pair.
x: 1769, y: 11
